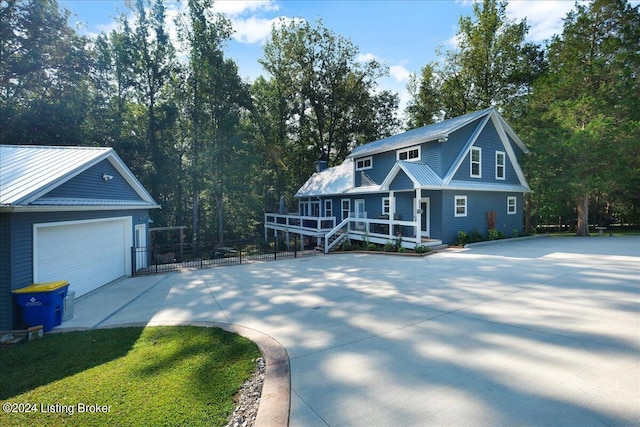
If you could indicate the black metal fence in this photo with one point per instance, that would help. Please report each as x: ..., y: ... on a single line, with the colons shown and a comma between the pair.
x: 173, y: 257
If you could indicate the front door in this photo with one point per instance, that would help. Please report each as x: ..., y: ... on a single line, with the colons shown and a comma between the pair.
x: 424, y: 218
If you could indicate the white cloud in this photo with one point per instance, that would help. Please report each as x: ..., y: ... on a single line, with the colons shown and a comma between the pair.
x: 543, y: 16
x: 366, y: 57
x: 400, y: 73
x: 239, y: 7
x: 251, y: 30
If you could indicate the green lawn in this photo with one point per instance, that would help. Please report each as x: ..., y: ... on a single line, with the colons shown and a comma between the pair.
x: 152, y: 376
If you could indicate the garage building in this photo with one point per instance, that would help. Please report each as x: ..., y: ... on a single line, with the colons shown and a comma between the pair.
x: 67, y: 213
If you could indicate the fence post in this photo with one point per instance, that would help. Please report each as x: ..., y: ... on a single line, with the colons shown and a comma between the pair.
x: 295, y: 247
x: 133, y: 260
x: 275, y: 248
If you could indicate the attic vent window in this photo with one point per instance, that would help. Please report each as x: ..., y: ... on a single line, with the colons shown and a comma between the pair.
x: 409, y: 154
x: 364, y: 163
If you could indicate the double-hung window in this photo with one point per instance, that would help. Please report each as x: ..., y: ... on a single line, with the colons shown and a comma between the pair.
x: 460, y: 206
x: 511, y: 205
x: 328, y: 208
x: 386, y: 206
x: 476, y: 162
x: 500, y: 159
x: 410, y: 154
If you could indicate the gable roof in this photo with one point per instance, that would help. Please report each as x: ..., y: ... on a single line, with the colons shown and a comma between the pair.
x: 417, y: 136
x: 27, y: 172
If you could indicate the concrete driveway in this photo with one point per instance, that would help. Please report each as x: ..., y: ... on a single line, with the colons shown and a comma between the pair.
x: 543, y: 332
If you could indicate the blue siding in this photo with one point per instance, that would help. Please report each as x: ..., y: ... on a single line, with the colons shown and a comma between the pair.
x: 6, y: 300
x: 16, y: 237
x: 489, y: 142
x: 435, y: 212
x: 401, y: 182
x: 478, y: 204
x: 453, y: 146
x: 432, y: 155
x: 90, y: 185
x: 382, y: 164
x: 404, y: 205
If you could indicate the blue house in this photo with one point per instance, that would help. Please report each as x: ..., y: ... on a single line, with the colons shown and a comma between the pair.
x: 421, y: 187
x: 67, y: 213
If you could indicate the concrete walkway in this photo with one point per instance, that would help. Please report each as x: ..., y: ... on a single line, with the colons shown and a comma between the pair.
x: 540, y: 332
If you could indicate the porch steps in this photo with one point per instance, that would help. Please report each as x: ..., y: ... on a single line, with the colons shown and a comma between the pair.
x: 339, y: 235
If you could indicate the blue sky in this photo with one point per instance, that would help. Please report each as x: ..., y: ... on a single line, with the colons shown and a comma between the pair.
x: 403, y: 34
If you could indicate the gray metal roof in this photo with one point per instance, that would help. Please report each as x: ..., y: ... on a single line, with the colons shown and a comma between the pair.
x: 28, y: 172
x: 419, y: 135
x: 335, y: 180
x: 422, y: 174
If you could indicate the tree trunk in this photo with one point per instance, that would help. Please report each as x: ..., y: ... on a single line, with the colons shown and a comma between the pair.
x: 527, y: 214
x: 219, y: 198
x: 582, y: 228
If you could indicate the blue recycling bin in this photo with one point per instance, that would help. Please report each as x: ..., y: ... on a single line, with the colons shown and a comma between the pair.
x: 42, y: 303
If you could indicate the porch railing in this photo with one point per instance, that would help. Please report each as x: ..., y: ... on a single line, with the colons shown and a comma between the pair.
x: 310, y: 224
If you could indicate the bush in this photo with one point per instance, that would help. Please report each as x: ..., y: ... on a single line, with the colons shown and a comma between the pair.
x: 346, y: 245
x: 372, y: 247
x: 402, y: 250
x: 389, y: 247
x: 475, y: 237
x: 422, y: 249
x: 463, y: 239
x: 493, y: 234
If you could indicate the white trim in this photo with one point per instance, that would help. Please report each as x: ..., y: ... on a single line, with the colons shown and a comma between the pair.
x: 407, y: 150
x: 330, y: 206
x: 455, y: 206
x: 507, y: 146
x: 472, y: 162
x: 342, y: 211
x: 128, y: 238
x: 463, y: 154
x: 388, y: 200
x: 427, y: 232
x: 364, y: 159
x: 504, y: 165
x: 515, y: 205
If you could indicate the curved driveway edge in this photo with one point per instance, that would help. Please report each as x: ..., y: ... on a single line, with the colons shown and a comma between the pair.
x: 275, y: 399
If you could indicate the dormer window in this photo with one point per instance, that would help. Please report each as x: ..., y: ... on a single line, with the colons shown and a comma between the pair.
x: 409, y: 154
x: 364, y: 163
x: 476, y: 162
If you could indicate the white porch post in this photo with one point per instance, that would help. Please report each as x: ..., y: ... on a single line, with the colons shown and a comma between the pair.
x: 392, y: 212
x: 418, y: 217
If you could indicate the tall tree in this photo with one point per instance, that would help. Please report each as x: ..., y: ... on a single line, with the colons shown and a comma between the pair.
x: 216, y: 97
x: 43, y: 75
x: 328, y: 91
x: 492, y: 65
x: 589, y: 101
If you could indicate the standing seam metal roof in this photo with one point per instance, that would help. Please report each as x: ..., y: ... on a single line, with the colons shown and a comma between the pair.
x: 28, y: 171
x: 418, y: 135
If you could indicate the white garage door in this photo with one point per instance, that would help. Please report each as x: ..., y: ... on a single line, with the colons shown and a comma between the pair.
x: 87, y: 254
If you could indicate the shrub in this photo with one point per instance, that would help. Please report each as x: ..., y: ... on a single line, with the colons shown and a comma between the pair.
x: 402, y: 250
x: 463, y: 239
x: 346, y: 245
x: 514, y: 232
x: 372, y: 247
x: 389, y: 247
x: 422, y: 249
x: 493, y: 234
x: 475, y: 237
